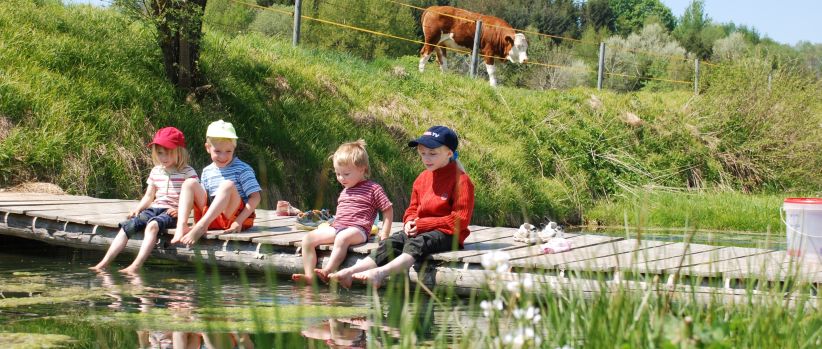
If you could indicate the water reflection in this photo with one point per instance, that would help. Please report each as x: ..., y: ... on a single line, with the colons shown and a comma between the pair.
x: 172, y: 305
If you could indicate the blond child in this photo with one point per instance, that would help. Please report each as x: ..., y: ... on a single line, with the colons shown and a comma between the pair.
x: 437, y: 218
x: 229, y: 192
x: 157, y: 211
x: 357, y: 207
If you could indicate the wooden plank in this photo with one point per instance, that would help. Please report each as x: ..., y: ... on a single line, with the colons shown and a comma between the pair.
x: 80, y: 209
x: 755, y: 267
x: 256, y: 232
x: 97, y: 207
x: 562, y: 260
x: 286, y: 239
x: 488, y: 235
x: 4, y: 204
x: 637, y: 259
x: 578, y: 241
x: 713, y: 263
x: 477, y: 248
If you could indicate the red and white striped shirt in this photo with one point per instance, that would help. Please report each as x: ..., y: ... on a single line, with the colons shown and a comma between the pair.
x: 168, y: 185
x: 358, y: 206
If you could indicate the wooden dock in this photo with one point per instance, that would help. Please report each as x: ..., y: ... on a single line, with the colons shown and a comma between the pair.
x: 594, y: 263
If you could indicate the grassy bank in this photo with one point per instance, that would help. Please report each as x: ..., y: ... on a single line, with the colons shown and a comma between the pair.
x: 83, y: 90
x: 712, y: 210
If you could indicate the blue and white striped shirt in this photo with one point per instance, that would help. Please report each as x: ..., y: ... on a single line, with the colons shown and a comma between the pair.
x: 237, y: 171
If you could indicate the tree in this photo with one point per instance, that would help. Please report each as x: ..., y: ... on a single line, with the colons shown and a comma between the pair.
x: 632, y: 15
x: 693, y: 30
x: 597, y: 14
x: 179, y: 30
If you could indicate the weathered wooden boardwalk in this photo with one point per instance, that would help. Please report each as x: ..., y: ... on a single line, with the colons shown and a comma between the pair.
x: 595, y: 262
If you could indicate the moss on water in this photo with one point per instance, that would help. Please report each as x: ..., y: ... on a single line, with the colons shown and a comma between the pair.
x: 54, y: 296
x: 262, y: 318
x: 33, y: 340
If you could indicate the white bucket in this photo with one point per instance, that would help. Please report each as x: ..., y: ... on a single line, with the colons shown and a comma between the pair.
x: 803, y: 223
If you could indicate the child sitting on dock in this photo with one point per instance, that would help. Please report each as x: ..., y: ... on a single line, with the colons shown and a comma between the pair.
x: 437, y: 218
x: 229, y: 193
x: 157, y: 210
x: 357, y: 207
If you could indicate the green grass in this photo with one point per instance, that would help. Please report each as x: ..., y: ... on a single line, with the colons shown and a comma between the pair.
x: 713, y: 210
x: 83, y: 91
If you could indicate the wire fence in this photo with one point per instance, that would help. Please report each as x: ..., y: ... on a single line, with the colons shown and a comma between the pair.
x: 358, y: 28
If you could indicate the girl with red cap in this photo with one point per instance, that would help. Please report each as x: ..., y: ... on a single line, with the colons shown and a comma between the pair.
x: 157, y: 210
x: 437, y: 218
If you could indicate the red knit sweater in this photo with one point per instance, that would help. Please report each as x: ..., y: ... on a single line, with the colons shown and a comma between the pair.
x: 442, y: 200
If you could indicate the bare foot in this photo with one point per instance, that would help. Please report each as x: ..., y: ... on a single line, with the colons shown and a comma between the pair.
x: 342, y: 277
x: 375, y: 277
x: 178, y: 234
x: 302, y: 278
x: 322, y: 275
x: 98, y: 267
x: 131, y: 270
x: 193, y: 235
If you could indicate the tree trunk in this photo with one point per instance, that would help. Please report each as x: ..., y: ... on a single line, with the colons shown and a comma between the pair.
x: 179, y: 27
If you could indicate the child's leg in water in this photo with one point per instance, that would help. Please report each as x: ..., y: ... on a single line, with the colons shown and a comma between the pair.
x: 309, y: 245
x: 149, y: 239
x: 344, y: 277
x: 116, y: 247
x: 226, y: 201
x: 344, y: 239
x: 191, y: 194
x: 376, y: 276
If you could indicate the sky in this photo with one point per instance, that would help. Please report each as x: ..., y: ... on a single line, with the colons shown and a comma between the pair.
x: 785, y: 21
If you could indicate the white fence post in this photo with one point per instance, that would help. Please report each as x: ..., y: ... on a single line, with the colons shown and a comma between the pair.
x: 601, y: 68
x: 295, y: 39
x: 696, y: 76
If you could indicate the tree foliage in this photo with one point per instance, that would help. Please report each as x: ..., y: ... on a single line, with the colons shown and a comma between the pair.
x: 632, y: 15
x: 179, y: 29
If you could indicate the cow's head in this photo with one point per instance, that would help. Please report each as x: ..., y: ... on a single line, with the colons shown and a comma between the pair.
x: 516, y: 47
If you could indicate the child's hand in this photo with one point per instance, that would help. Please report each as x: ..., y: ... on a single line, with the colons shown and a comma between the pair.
x: 411, y: 227
x: 172, y: 212
x: 383, y: 236
x: 133, y: 214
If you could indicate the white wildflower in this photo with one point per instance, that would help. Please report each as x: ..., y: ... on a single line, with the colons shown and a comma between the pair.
x: 493, y: 306
x: 496, y: 260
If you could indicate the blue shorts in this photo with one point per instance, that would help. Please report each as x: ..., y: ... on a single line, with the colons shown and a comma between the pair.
x: 152, y: 214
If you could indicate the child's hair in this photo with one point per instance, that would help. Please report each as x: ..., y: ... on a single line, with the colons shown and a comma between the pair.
x: 352, y: 153
x: 179, y: 154
x: 212, y: 140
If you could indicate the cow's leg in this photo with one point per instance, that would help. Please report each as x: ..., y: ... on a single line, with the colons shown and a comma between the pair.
x: 441, y: 59
x: 424, y: 59
x: 491, y: 78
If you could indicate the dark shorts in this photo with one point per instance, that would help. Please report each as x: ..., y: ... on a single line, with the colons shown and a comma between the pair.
x: 418, y: 246
x: 151, y: 214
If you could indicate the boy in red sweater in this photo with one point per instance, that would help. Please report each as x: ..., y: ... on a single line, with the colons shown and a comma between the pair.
x: 437, y: 219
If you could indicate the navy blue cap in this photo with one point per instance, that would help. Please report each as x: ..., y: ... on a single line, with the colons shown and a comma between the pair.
x: 436, y: 137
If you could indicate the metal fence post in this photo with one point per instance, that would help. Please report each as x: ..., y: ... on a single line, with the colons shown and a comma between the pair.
x: 696, y: 76
x: 298, y: 4
x: 475, y: 50
x: 601, y: 68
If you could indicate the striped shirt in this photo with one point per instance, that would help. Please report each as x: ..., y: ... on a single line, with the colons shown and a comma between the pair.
x: 237, y: 171
x: 358, y: 206
x: 168, y: 185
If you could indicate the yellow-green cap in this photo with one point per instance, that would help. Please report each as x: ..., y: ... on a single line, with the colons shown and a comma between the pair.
x: 221, y: 129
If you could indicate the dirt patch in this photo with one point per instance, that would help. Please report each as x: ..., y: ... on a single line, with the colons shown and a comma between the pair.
x: 35, y: 187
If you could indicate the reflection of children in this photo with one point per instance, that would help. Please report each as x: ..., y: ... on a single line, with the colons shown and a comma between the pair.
x: 229, y: 193
x: 437, y: 218
x: 157, y: 210
x: 357, y: 207
x: 338, y: 334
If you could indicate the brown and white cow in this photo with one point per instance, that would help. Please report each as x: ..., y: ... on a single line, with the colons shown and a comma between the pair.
x: 454, y: 28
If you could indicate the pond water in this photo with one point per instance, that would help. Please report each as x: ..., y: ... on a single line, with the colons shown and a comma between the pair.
x: 47, y: 289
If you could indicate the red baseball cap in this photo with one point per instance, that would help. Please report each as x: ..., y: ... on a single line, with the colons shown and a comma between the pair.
x: 169, y: 137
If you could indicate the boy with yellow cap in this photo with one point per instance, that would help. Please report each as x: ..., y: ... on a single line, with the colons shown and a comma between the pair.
x: 227, y: 195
